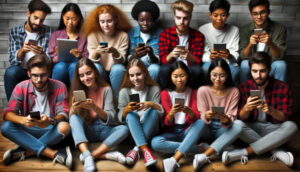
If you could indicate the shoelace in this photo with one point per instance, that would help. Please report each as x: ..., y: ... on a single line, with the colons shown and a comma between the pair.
x: 20, y: 155
x: 133, y: 155
x: 244, y: 159
x: 148, y: 156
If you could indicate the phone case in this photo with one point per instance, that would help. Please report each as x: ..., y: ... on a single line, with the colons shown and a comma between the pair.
x: 134, y: 98
x: 218, y: 109
x: 218, y: 47
x: 104, y: 44
x: 254, y: 93
x: 179, y: 101
x: 35, y: 114
x: 79, y: 95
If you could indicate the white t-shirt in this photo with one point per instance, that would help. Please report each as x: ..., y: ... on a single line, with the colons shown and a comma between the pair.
x: 262, y: 115
x: 142, y: 95
x: 41, y: 103
x: 179, y: 117
x: 183, y: 41
x: 145, y: 37
x: 29, y: 54
x: 260, y: 47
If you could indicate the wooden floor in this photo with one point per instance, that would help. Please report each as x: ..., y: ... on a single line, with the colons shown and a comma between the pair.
x: 255, y: 164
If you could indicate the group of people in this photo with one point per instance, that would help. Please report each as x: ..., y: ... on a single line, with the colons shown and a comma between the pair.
x: 174, y: 91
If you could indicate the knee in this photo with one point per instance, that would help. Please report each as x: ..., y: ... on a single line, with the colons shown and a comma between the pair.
x: 123, y: 130
x: 245, y: 65
x: 238, y: 125
x: 199, y: 123
x: 291, y: 126
x: 131, y: 116
x: 6, y: 127
x: 118, y: 68
x: 64, y: 128
x: 11, y: 72
x: 156, y: 142
x: 279, y: 65
x: 154, y: 68
x: 59, y: 67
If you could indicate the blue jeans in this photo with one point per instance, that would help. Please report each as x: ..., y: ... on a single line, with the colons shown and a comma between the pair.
x: 64, y: 72
x: 278, y: 70
x: 179, y: 139
x: 234, y: 69
x: 34, y: 139
x: 154, y: 71
x: 142, y: 132
x: 110, y: 135
x: 222, y: 136
x: 115, y: 76
x: 13, y: 75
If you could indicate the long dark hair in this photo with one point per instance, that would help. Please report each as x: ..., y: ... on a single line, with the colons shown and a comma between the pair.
x: 177, y: 65
x: 219, y: 62
x: 71, y: 7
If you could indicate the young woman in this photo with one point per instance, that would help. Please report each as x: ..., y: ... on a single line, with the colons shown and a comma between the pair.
x: 70, y: 24
x: 90, y: 120
x: 145, y: 36
x: 108, y: 42
x: 181, y: 119
x: 142, y: 118
x: 221, y: 126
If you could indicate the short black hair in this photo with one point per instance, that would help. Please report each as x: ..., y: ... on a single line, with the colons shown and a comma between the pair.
x: 71, y: 7
x: 260, y: 58
x: 254, y: 3
x: 216, y: 4
x: 219, y: 62
x: 39, y: 60
x: 145, y: 5
x: 39, y: 5
x: 179, y: 64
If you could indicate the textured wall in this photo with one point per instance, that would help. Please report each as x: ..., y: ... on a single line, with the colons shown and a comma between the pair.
x: 13, y: 12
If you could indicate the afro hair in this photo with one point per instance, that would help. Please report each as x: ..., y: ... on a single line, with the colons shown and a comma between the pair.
x: 145, y: 5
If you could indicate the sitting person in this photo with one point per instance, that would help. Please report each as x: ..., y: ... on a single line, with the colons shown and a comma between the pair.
x: 222, y: 127
x: 182, y: 124
x: 69, y: 27
x: 92, y: 119
x: 267, y: 124
x: 142, y: 117
x: 108, y: 42
x: 144, y: 37
x: 33, y: 134
x: 219, y: 32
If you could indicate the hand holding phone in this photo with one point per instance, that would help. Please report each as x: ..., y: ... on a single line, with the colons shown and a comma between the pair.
x: 35, y: 115
x: 134, y: 98
x: 219, y: 47
x: 258, y: 31
x: 79, y: 95
x: 179, y: 101
x: 103, y: 44
x: 33, y: 42
x: 219, y: 110
x: 141, y: 44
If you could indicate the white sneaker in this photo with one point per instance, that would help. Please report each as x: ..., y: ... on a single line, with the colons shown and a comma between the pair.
x: 89, y: 164
x: 170, y: 164
x: 199, y: 161
x: 235, y: 155
x: 116, y: 156
x: 286, y: 157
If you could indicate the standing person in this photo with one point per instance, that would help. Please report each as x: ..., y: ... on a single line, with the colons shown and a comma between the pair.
x: 107, y: 24
x: 92, y: 119
x: 146, y: 12
x: 219, y: 32
x: 23, y: 45
x: 34, y: 135
x: 69, y: 27
x: 182, y: 123
x: 272, y: 40
x: 222, y: 127
x: 181, y: 43
x: 267, y: 124
x: 142, y: 118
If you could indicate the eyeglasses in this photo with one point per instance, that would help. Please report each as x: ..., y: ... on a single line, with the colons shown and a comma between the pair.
x: 42, y: 76
x: 262, y: 13
x: 221, y: 75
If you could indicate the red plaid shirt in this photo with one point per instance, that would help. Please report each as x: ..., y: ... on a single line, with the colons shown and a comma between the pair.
x: 277, y: 95
x: 168, y: 40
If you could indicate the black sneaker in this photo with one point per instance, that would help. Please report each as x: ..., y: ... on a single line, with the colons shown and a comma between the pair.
x: 15, y: 154
x: 64, y: 156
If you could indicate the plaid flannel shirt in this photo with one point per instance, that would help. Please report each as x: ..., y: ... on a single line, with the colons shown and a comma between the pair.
x: 277, y: 95
x: 168, y: 40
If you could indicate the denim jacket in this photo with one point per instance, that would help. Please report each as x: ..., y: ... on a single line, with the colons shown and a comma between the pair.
x: 135, y: 38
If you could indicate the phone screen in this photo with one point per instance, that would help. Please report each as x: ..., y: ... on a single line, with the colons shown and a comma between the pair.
x: 134, y: 98
x: 103, y: 44
x: 141, y: 44
x: 79, y: 95
x: 218, y: 47
x: 179, y: 101
x: 35, y: 114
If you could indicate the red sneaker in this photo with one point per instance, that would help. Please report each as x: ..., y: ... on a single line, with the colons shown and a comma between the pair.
x: 149, y: 159
x: 132, y: 157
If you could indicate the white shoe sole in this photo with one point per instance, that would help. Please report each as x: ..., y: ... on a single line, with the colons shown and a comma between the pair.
x: 7, y: 156
x: 69, y: 157
x: 150, y: 163
x: 224, y: 155
x: 292, y: 159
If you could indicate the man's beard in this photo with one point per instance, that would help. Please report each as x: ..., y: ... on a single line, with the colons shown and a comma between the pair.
x: 31, y: 26
x: 43, y: 88
x: 263, y: 82
x: 184, y: 31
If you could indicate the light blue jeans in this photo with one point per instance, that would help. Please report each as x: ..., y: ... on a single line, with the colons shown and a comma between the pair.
x: 142, y: 132
x: 234, y: 69
x: 222, y: 137
x: 154, y: 71
x: 110, y: 135
x: 179, y: 139
x: 64, y: 72
x: 34, y: 139
x: 115, y: 76
x: 278, y: 70
x: 265, y: 136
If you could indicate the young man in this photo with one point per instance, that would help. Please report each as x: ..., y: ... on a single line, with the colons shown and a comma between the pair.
x: 25, y: 41
x: 181, y: 43
x: 34, y: 133
x: 218, y: 32
x: 266, y: 116
x: 263, y: 35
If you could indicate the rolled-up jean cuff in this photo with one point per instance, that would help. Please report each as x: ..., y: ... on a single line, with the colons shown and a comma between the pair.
x: 80, y: 141
x: 41, y: 150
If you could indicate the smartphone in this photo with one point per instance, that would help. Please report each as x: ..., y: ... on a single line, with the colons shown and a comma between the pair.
x: 103, y: 44
x: 181, y: 47
x: 35, y: 114
x: 141, y: 44
x: 218, y: 47
x: 218, y: 109
x: 79, y: 95
x: 257, y: 93
x: 179, y: 101
x: 258, y: 31
x: 134, y: 98
x: 33, y: 42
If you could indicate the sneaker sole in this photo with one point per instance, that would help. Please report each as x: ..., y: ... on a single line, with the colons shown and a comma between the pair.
x: 150, y: 163
x: 292, y: 159
x: 7, y: 157
x: 224, y: 155
x: 195, y: 164
x: 69, y: 157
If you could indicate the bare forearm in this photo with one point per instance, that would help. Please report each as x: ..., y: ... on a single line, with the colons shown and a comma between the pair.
x: 275, y: 51
x: 60, y: 118
x: 247, y: 50
x: 244, y: 114
x: 102, y: 114
x: 276, y: 114
x: 13, y: 117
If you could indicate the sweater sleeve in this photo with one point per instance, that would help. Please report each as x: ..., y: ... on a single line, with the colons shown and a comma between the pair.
x: 232, y: 109
x: 193, y: 105
x: 202, y: 103
x: 156, y: 99
x: 167, y: 105
x: 51, y: 48
x: 108, y: 106
x: 123, y: 48
x: 123, y: 102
